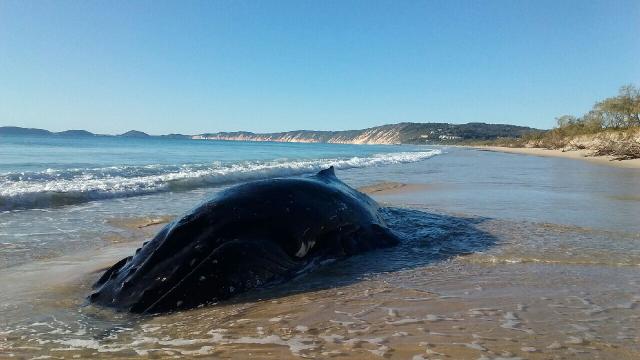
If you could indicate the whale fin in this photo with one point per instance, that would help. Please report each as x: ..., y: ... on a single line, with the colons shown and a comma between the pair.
x: 328, y: 172
x: 112, y: 271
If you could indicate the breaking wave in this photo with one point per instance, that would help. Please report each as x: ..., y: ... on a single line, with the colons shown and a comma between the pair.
x: 29, y: 190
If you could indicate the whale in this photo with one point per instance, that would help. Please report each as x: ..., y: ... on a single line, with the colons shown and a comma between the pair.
x: 242, y: 238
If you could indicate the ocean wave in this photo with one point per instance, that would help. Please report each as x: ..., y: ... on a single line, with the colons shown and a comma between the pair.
x: 50, y: 188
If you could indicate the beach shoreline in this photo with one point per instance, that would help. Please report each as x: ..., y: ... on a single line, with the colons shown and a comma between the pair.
x: 488, y: 265
x: 571, y: 154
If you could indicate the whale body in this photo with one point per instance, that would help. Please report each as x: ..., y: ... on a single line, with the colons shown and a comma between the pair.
x: 244, y: 237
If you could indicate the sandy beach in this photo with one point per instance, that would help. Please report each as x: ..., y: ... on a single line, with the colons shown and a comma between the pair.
x: 573, y: 154
x: 490, y: 267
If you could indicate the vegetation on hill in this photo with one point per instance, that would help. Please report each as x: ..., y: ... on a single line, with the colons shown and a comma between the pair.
x: 420, y: 133
x: 611, y: 127
x: 402, y: 133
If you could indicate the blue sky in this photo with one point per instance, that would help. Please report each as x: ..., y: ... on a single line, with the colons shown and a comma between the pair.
x: 197, y: 66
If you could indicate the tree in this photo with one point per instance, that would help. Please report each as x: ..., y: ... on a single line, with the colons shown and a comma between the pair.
x: 593, y: 121
x: 623, y: 110
x: 566, y: 120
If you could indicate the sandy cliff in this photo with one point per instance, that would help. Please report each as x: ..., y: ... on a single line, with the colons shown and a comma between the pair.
x: 402, y: 133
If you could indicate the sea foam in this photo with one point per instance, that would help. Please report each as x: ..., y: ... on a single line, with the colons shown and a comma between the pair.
x: 54, y: 187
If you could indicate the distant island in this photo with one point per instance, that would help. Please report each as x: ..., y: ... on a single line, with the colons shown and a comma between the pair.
x: 15, y: 130
x: 135, y: 134
x: 75, y: 133
x: 402, y: 133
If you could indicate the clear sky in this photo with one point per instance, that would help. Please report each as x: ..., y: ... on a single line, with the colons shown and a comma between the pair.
x: 199, y: 66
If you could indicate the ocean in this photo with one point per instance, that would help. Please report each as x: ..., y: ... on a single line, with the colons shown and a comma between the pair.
x: 44, y: 172
x: 502, y: 255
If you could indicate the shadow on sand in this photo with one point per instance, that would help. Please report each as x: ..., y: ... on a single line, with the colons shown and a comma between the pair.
x: 427, y: 238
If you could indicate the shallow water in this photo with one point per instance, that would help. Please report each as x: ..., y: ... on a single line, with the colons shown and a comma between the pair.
x: 99, y: 179
x: 503, y: 256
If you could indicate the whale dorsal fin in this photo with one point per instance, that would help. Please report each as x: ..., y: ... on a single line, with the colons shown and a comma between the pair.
x: 328, y: 172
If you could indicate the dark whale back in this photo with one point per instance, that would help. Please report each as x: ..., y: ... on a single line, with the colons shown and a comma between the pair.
x: 242, y: 238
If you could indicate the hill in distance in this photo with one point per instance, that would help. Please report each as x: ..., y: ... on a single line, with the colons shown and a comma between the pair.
x: 15, y: 130
x: 75, y: 133
x: 402, y: 133
x: 135, y: 133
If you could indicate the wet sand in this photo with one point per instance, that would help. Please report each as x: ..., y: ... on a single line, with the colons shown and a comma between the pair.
x: 498, y: 303
x: 573, y: 154
x: 140, y: 222
x: 388, y: 188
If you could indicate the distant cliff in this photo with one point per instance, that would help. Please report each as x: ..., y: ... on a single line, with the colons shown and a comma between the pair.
x: 403, y: 133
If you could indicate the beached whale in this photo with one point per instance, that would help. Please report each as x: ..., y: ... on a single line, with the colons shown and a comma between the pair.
x: 244, y: 237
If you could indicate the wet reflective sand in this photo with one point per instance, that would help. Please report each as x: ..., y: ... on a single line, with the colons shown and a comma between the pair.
x: 465, y: 288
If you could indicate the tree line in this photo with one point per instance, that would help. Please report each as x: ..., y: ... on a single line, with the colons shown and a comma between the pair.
x: 616, y: 118
x: 618, y: 112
